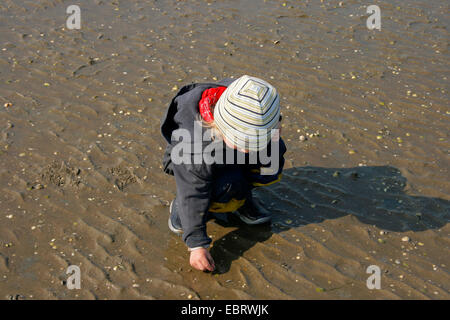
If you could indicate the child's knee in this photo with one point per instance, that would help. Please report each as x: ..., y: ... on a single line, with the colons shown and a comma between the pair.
x: 229, y: 184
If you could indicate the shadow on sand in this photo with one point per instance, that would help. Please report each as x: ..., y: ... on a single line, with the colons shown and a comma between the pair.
x: 375, y: 195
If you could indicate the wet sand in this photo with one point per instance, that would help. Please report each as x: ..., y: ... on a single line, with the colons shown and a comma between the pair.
x: 80, y: 149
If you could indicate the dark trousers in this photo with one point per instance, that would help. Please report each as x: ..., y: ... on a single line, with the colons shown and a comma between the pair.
x: 229, y: 191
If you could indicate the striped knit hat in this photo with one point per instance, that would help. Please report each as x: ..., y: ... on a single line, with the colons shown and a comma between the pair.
x: 247, y: 111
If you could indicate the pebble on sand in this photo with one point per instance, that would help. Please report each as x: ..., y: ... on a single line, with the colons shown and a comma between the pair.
x: 405, y: 239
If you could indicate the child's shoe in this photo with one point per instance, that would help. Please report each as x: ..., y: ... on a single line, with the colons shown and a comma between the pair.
x: 252, y: 212
x: 174, y: 220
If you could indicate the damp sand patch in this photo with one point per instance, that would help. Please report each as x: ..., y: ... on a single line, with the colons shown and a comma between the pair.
x: 62, y: 175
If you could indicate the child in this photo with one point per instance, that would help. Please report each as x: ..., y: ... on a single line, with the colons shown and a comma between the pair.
x: 241, y: 113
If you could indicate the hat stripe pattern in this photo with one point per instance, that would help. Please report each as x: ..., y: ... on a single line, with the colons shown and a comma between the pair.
x: 247, y: 111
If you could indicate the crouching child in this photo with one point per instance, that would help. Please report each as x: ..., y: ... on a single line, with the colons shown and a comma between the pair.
x: 223, y: 140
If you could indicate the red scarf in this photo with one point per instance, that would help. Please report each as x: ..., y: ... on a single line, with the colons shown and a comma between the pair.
x: 208, y: 101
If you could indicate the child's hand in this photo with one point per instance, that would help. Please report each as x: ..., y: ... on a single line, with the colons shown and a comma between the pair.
x: 201, y: 260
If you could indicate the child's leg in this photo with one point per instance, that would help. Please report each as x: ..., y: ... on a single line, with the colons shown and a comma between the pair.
x: 233, y: 193
x: 230, y: 190
x: 174, y: 218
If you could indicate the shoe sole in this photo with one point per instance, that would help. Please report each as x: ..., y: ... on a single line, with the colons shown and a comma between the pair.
x: 171, y: 227
x: 252, y: 222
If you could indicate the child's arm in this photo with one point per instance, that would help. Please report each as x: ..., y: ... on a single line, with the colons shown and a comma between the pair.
x: 193, y: 196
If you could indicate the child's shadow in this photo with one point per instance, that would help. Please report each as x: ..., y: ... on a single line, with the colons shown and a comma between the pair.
x: 375, y: 195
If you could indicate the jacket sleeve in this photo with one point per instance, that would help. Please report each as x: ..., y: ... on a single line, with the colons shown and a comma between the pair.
x: 261, y: 176
x: 193, y: 196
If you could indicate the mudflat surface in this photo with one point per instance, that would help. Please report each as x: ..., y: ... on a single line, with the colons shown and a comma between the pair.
x: 80, y: 149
